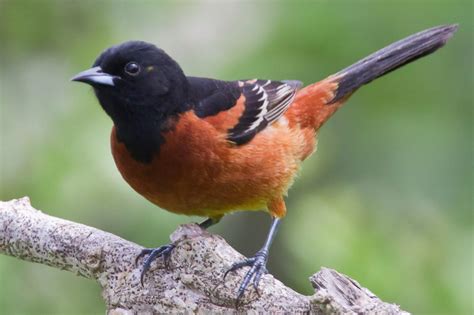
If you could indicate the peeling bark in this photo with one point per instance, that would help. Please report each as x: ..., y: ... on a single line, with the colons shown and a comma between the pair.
x: 193, y: 281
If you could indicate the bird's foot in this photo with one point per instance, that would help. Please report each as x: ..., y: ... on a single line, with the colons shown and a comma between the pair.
x: 154, y: 253
x: 258, y: 267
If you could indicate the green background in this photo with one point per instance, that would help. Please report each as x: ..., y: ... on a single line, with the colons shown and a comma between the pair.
x: 387, y: 199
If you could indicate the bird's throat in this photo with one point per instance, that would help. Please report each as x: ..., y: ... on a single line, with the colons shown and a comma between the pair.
x: 144, y: 138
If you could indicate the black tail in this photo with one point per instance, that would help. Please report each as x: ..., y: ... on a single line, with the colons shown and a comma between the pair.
x: 390, y: 58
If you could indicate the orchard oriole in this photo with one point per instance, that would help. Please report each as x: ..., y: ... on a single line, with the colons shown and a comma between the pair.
x: 207, y: 147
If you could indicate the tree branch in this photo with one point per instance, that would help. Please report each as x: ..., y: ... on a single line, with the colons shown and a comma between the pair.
x: 193, y: 281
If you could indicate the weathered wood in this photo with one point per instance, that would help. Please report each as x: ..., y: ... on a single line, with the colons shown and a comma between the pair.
x: 193, y: 281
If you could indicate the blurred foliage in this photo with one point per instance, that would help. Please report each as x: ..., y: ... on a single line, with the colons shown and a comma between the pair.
x: 387, y: 199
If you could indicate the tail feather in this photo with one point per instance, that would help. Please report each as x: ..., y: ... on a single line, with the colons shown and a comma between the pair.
x: 390, y: 58
x: 317, y: 102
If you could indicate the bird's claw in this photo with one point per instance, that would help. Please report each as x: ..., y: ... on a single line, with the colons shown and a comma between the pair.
x: 258, y: 268
x: 154, y: 253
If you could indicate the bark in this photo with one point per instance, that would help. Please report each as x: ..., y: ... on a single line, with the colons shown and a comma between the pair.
x: 191, y: 283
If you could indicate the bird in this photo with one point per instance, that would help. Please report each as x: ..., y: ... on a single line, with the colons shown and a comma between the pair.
x: 207, y: 147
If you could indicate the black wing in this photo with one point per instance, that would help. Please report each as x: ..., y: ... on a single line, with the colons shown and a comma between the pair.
x: 264, y: 101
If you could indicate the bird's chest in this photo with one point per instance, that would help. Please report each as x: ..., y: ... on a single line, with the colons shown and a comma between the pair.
x: 177, y: 176
x: 197, y: 172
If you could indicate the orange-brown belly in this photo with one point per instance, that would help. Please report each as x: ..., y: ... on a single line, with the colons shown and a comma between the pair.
x: 197, y: 172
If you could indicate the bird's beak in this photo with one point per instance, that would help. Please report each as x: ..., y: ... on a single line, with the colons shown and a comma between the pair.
x: 94, y: 76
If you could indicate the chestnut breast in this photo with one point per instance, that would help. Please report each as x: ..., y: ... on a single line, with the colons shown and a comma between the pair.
x: 198, y: 172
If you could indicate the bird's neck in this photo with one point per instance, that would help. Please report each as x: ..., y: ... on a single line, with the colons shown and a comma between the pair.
x: 141, y: 122
x: 143, y: 133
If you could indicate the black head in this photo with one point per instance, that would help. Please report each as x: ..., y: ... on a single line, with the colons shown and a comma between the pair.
x: 142, y: 89
x: 137, y: 78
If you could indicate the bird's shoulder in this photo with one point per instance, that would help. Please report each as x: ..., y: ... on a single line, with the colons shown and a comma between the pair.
x: 241, y: 108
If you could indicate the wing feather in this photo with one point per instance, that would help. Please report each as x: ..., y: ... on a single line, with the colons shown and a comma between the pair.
x: 265, y: 102
x: 262, y: 103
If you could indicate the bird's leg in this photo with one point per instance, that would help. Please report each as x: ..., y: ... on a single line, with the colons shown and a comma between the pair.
x: 257, y: 263
x: 165, y: 250
x: 210, y: 222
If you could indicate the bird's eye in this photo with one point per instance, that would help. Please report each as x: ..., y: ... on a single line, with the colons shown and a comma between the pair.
x: 132, y: 68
